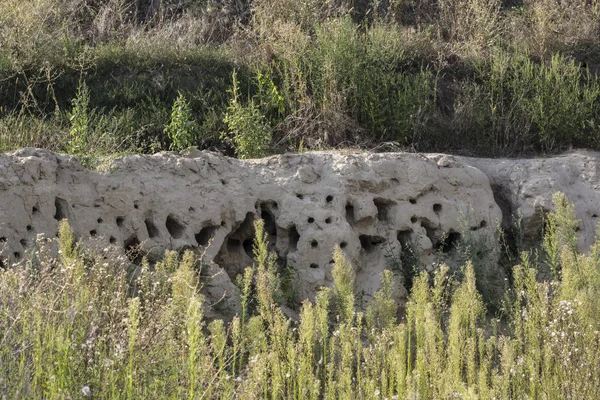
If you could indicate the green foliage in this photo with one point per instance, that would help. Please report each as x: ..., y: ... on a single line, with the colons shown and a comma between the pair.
x: 80, y: 129
x: 182, y: 130
x: 381, y: 312
x: 248, y: 129
x: 521, y: 99
x: 66, y: 241
x: 560, y: 232
x: 82, y: 322
x: 343, y: 279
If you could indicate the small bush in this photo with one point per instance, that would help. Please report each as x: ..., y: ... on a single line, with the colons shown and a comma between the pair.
x: 248, y: 128
x: 182, y: 129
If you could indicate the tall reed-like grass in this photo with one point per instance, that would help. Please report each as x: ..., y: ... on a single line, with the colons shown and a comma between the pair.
x: 78, y: 325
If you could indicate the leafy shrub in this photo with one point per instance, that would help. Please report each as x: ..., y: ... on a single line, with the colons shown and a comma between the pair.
x: 182, y: 129
x: 248, y: 128
x: 80, y: 121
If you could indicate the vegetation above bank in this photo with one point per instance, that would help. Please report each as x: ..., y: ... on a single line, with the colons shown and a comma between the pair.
x: 253, y: 77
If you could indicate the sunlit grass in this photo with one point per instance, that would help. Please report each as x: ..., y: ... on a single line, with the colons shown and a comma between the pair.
x: 75, y: 326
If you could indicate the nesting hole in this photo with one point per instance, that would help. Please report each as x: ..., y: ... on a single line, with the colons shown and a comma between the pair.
x: 310, y: 220
x: 293, y: 238
x: 23, y: 243
x: 383, y: 209
x: 431, y: 230
x: 350, y: 216
x: 248, y: 244
x: 370, y: 243
x: 205, y: 235
x: 314, y: 244
x: 343, y: 245
x: 329, y: 198
x: 437, y: 208
x: 269, y: 221
x: 133, y: 249
x: 3, y: 239
x: 136, y: 205
x: 412, y: 201
x: 328, y: 220
x: 35, y: 210
x: 314, y: 266
x: 223, y: 182
x: 450, y: 242
x: 151, y: 229
x: 404, y: 237
x: 594, y: 215
x: 17, y: 255
x: 93, y: 233
x: 300, y: 196
x: 100, y: 220
x: 61, y: 207
x: 120, y: 221
x: 174, y: 227
x: 233, y: 245
x: 112, y: 240
x: 413, y: 219
x: 29, y: 228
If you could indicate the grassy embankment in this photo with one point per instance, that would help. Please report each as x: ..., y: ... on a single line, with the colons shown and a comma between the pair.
x: 78, y: 325
x: 479, y: 77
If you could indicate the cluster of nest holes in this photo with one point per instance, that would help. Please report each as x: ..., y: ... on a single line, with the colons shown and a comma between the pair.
x: 328, y: 220
x: 328, y: 198
x: 16, y: 254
